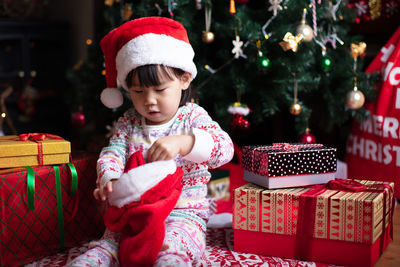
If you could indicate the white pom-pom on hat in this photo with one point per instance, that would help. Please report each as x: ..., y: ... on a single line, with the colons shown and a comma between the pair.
x: 112, y: 97
x: 144, y: 41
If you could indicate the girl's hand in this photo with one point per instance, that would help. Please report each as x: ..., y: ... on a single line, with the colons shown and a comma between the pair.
x: 102, y: 192
x: 168, y: 147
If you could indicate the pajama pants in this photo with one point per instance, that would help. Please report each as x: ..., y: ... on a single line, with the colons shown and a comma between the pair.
x: 184, y: 239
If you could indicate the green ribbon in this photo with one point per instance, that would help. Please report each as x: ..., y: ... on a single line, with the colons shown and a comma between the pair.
x: 74, y: 177
x: 60, y: 215
x: 31, y: 187
x: 59, y: 207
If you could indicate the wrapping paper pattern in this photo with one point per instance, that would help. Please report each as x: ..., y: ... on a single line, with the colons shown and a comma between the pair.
x: 219, y: 252
x: 27, y: 235
x: 354, y: 217
x: 289, y: 159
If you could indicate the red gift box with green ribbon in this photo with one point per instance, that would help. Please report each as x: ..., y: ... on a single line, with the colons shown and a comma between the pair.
x: 46, y: 209
x: 344, y: 222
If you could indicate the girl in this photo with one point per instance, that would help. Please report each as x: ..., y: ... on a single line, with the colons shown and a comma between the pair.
x: 153, y: 60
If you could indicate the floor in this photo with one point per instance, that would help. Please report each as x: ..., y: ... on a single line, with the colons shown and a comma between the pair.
x: 391, y: 256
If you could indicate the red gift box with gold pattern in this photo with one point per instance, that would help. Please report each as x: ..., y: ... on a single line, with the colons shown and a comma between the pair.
x: 40, y: 222
x: 320, y: 223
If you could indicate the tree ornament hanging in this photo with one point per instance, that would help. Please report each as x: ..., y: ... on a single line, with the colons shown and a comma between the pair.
x: 108, y: 2
x: 232, y: 8
x: 275, y: 6
x: 305, y: 29
x: 307, y: 137
x: 237, y: 47
x: 239, y: 111
x: 127, y: 12
x: 332, y: 9
x: 198, y: 4
x: 295, y: 107
x: 78, y: 118
x: 291, y: 42
x: 355, y: 99
x: 207, y: 36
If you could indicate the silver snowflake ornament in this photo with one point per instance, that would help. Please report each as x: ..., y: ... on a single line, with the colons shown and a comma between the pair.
x: 275, y: 6
x: 237, y: 47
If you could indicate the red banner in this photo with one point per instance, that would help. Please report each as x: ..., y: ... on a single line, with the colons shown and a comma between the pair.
x: 373, y: 147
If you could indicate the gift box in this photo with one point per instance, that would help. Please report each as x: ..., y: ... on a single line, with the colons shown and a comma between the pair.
x: 284, y: 165
x: 32, y: 150
x: 321, y: 223
x: 55, y: 209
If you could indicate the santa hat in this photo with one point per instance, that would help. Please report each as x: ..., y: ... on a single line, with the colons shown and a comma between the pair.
x: 143, y: 41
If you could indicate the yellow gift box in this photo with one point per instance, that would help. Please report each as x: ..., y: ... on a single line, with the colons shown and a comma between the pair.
x: 33, y: 149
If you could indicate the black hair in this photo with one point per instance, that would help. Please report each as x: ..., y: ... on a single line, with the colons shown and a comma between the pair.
x: 150, y: 75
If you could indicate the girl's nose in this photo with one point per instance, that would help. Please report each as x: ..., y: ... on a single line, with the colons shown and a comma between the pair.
x: 150, y: 99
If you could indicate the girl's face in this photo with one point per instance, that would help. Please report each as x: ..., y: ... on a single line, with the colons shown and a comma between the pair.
x: 158, y: 104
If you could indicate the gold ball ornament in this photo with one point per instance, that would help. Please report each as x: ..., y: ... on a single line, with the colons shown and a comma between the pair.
x: 207, y: 37
x: 355, y: 99
x: 295, y: 109
x: 306, y: 31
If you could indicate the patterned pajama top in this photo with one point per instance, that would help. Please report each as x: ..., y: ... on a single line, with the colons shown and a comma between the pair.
x: 212, y: 148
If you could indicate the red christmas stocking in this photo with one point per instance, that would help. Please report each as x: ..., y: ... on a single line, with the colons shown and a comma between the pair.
x: 141, y: 200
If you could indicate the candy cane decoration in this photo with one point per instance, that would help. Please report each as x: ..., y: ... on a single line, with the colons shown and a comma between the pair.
x: 314, y: 17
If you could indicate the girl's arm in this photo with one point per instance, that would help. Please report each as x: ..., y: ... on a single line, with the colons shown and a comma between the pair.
x: 112, y: 159
x: 212, y: 145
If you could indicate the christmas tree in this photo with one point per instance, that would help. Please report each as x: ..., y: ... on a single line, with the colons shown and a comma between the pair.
x: 268, y: 71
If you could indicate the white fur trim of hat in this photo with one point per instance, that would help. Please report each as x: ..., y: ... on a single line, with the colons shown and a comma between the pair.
x: 133, y: 184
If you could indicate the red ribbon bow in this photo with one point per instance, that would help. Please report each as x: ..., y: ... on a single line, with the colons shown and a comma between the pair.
x: 37, y: 137
x: 32, y: 137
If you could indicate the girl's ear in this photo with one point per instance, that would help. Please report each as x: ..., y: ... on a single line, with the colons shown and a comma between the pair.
x: 186, y: 79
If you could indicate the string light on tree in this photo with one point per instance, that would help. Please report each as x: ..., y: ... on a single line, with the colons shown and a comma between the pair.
x: 263, y: 61
x: 305, y: 29
x: 326, y: 61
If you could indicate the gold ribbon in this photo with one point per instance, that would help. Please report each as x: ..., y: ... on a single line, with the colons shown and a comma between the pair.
x: 358, y: 49
x: 291, y: 42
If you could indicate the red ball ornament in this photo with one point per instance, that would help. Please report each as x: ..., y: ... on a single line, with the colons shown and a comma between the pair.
x: 78, y: 119
x: 307, y: 137
x: 242, y: 1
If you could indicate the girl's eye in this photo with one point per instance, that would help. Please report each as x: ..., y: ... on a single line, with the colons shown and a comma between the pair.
x: 137, y: 91
x: 160, y: 90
